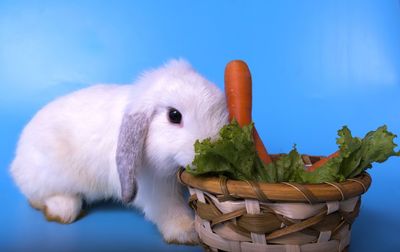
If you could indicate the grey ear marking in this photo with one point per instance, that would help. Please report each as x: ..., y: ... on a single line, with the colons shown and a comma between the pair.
x: 129, y: 154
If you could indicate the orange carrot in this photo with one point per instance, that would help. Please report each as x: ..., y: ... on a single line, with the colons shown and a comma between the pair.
x: 323, y: 161
x: 261, y: 150
x: 238, y: 93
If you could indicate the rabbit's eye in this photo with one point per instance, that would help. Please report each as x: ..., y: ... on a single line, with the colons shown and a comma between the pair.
x: 174, y: 116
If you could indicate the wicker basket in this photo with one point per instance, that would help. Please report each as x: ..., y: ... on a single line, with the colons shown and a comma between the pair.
x: 247, y: 216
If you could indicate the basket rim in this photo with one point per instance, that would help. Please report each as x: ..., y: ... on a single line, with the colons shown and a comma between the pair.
x: 278, y: 192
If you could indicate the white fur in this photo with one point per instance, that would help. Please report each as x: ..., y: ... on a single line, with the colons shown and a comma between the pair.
x: 66, y: 153
x: 64, y: 208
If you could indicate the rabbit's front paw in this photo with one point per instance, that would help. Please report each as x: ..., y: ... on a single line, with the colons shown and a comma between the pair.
x: 180, y: 230
x: 62, y: 208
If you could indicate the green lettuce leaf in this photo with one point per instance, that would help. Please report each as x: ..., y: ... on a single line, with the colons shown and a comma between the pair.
x: 329, y: 172
x: 234, y: 155
x: 376, y: 146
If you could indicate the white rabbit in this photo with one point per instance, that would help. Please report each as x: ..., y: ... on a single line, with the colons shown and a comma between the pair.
x: 121, y: 142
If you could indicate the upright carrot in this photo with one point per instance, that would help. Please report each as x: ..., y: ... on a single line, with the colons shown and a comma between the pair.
x: 238, y: 93
x: 323, y: 161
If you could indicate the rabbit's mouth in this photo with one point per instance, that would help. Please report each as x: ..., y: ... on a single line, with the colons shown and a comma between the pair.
x: 184, y: 159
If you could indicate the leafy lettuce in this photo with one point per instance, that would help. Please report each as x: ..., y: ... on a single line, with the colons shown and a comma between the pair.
x: 234, y: 155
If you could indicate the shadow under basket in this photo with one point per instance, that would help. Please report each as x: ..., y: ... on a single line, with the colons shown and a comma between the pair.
x: 233, y: 215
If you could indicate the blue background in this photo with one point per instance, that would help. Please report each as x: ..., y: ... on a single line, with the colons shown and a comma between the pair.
x: 316, y: 65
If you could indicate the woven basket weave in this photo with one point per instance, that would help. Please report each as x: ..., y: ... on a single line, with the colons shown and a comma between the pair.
x: 247, y: 216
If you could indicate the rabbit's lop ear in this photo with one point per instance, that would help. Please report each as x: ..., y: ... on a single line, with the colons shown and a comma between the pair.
x: 129, y: 154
